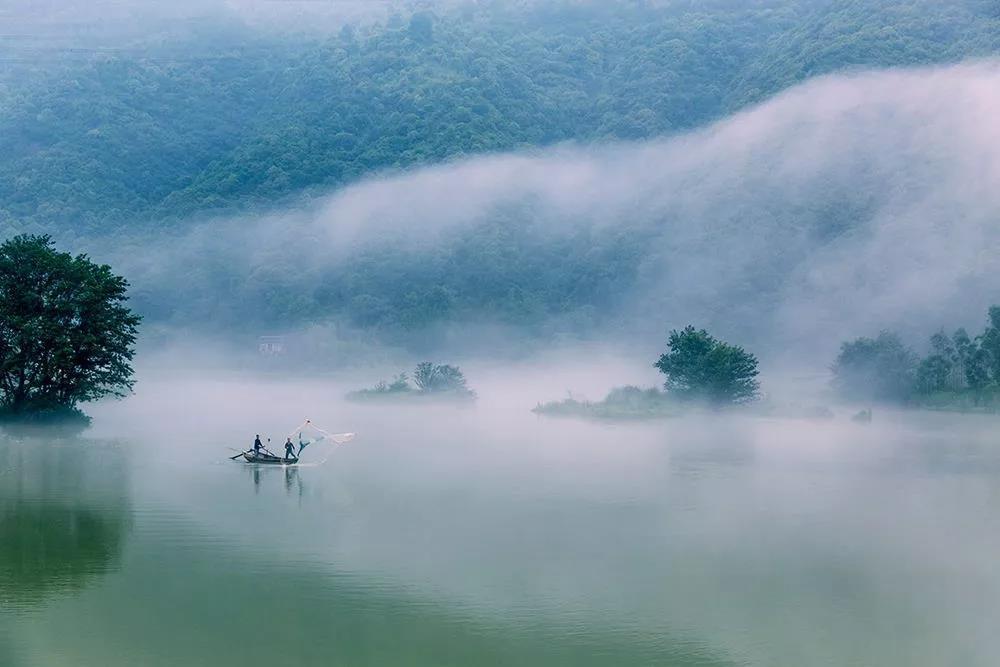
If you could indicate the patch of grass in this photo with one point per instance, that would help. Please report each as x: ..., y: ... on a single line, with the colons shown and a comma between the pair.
x: 431, y: 386
x: 621, y: 403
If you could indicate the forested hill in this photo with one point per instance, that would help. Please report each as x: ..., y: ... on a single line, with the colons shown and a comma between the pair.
x: 211, y: 117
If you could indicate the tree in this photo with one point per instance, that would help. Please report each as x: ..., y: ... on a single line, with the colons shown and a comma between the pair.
x: 66, y: 335
x: 699, y: 367
x: 933, y: 373
x: 989, y: 343
x: 973, y: 361
x: 977, y: 374
x: 443, y: 378
x: 940, y: 370
x: 876, y: 369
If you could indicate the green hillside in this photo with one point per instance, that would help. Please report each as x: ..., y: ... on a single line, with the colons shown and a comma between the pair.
x: 220, y: 118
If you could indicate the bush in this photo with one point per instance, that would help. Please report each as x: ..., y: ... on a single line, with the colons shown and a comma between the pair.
x: 621, y: 403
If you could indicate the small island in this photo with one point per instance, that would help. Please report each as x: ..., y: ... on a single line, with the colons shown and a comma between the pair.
x: 699, y: 370
x: 438, y: 382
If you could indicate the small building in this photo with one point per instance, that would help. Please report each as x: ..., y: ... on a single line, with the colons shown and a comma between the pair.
x: 270, y: 346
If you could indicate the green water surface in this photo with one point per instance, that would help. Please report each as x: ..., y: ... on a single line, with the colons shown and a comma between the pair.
x: 478, y: 536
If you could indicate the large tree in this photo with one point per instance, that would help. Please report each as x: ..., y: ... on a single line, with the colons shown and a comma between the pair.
x: 700, y: 367
x: 66, y: 333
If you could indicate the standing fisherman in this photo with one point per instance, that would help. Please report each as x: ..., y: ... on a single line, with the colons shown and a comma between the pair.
x: 290, y: 450
x: 257, y: 445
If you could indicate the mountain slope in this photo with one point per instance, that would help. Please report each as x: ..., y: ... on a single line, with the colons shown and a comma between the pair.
x: 221, y: 118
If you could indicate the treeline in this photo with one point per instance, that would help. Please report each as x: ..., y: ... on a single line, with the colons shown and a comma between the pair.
x: 960, y: 370
x: 228, y: 119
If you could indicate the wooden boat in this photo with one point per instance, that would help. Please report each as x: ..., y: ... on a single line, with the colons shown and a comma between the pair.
x: 267, y: 458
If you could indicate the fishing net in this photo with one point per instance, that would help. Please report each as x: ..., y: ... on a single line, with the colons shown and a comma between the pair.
x: 307, y: 433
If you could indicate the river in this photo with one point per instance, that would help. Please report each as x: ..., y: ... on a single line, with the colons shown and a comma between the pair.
x: 485, y: 535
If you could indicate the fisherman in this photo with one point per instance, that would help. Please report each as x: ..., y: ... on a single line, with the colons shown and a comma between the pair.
x: 257, y: 445
x: 290, y: 450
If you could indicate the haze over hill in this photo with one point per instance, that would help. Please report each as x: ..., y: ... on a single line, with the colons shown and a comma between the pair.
x: 200, y: 109
x: 837, y: 208
x: 543, y: 333
x: 792, y: 226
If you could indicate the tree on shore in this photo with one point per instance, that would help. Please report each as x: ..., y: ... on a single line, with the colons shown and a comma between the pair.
x: 697, y: 366
x: 959, y: 370
x: 876, y: 369
x: 66, y: 334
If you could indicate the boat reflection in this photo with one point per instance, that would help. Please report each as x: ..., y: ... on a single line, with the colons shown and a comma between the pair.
x: 293, y: 480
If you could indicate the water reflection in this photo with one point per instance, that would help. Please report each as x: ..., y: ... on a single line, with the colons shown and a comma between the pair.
x: 499, y: 539
x: 293, y: 480
x: 302, y: 612
x: 64, y: 517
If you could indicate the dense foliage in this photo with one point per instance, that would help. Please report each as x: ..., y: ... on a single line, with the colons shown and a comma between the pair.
x: 699, y: 367
x: 227, y: 118
x: 66, y: 335
x: 958, y: 371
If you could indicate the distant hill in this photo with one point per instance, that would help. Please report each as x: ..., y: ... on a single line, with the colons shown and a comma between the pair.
x: 215, y: 117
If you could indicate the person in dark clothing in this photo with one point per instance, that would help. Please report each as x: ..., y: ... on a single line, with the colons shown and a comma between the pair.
x: 290, y: 450
x: 257, y: 445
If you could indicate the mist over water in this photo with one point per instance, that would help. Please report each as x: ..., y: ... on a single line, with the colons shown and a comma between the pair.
x: 445, y: 534
x: 481, y: 533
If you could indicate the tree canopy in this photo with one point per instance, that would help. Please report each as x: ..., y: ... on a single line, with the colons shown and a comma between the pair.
x: 66, y: 334
x: 700, y: 367
x: 438, y: 378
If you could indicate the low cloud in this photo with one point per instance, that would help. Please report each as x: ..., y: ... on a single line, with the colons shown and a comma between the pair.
x: 846, y: 205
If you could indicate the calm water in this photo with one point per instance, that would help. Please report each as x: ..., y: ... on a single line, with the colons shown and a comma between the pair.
x: 485, y: 536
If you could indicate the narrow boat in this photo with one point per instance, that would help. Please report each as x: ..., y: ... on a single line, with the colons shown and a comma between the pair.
x: 267, y: 458
x: 315, y: 435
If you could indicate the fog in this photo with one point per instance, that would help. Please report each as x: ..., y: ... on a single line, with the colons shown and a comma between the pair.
x: 706, y: 539
x: 485, y: 533
x: 860, y: 542
x: 847, y: 205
